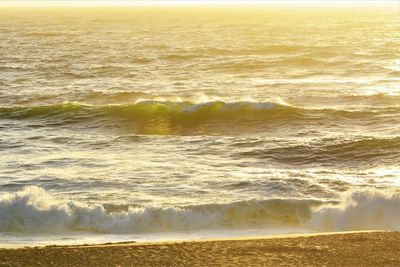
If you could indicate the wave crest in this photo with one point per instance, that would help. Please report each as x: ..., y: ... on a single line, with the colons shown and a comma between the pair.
x: 35, y: 210
x: 160, y: 117
x: 360, y: 210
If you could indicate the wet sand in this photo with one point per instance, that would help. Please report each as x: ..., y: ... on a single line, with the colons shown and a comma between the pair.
x: 339, y: 249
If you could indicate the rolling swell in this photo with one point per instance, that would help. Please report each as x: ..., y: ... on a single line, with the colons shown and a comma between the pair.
x: 167, y: 117
x: 34, y: 210
x: 362, y: 151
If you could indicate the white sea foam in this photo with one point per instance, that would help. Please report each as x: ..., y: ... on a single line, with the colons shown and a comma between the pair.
x: 360, y: 210
x: 34, y: 210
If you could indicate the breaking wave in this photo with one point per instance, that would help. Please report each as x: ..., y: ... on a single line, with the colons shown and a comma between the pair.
x: 157, y: 117
x: 34, y: 210
x: 360, y: 210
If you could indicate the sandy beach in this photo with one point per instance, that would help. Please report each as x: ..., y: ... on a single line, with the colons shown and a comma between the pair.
x: 339, y: 249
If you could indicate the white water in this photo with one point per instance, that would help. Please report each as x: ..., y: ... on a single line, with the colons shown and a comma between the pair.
x: 33, y: 212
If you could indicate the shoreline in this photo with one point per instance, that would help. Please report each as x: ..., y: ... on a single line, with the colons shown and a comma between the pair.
x: 367, y: 248
x: 178, y: 240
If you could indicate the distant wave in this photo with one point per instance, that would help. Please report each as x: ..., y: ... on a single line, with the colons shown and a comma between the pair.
x: 264, y: 50
x: 88, y: 97
x: 238, y: 66
x: 34, y: 210
x: 367, y: 100
x: 44, y: 34
x: 159, y: 117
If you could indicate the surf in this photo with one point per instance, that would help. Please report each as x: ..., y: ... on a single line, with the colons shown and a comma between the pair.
x: 35, y: 210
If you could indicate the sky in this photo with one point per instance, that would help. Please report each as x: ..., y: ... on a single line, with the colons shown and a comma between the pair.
x: 179, y: 2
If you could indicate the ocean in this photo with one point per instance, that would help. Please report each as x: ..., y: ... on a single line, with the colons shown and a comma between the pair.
x: 166, y: 123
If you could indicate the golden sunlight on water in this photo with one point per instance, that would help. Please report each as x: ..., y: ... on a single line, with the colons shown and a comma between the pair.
x: 143, y: 122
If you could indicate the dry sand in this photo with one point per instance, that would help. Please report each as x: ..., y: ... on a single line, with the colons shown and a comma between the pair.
x: 340, y: 249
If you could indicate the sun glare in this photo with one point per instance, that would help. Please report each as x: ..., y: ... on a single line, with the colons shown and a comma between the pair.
x: 190, y: 132
x: 24, y: 3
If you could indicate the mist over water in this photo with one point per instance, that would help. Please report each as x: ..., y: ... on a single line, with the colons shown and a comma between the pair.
x: 168, y: 121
